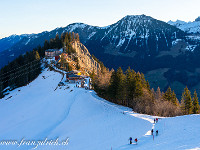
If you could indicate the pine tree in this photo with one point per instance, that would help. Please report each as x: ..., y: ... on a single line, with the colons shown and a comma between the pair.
x: 92, y: 76
x: 112, y: 89
x: 62, y: 61
x: 130, y: 85
x: 57, y: 42
x: 158, y: 94
x: 73, y: 36
x: 66, y: 43
x: 37, y: 56
x: 46, y: 45
x: 186, y: 102
x: 138, y: 86
x: 174, y: 100
x: 168, y: 95
x: 63, y: 37
x: 69, y: 37
x: 195, y: 104
x: 120, y: 95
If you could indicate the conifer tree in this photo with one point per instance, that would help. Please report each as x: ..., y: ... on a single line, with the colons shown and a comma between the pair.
x: 46, y: 45
x: 148, y: 85
x: 120, y: 95
x: 144, y: 82
x: 37, y: 56
x: 174, y: 100
x: 62, y: 61
x: 158, y: 94
x: 92, y: 75
x: 63, y: 37
x: 69, y: 37
x: 138, y: 86
x: 195, y: 109
x: 73, y: 36
x: 66, y: 43
x: 186, y: 102
x: 112, y: 89
x: 130, y: 85
x: 168, y: 94
x: 38, y: 64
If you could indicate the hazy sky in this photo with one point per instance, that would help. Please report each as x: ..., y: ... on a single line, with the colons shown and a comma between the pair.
x: 34, y: 16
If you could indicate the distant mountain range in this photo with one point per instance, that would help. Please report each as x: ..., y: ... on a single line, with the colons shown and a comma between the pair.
x: 189, y: 27
x: 131, y: 35
x: 166, y: 52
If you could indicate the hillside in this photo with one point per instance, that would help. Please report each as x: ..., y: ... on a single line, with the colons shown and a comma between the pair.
x: 38, y: 111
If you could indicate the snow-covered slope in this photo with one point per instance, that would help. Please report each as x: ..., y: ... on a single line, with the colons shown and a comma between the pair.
x: 189, y: 27
x: 38, y: 111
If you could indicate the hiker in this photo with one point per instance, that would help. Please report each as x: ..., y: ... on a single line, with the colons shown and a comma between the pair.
x: 156, y: 120
x: 151, y: 131
x: 136, y: 140
x: 156, y: 132
x: 130, y: 140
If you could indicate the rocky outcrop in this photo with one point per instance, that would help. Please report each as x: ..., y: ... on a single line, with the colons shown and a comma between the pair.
x: 86, y: 61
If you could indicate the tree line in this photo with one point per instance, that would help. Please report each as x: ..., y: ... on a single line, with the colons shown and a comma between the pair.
x: 131, y: 89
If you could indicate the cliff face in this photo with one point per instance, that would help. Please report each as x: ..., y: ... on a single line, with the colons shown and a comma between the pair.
x: 86, y: 61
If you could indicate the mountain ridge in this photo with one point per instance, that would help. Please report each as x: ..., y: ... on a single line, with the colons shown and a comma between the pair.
x: 189, y: 27
x: 139, y: 41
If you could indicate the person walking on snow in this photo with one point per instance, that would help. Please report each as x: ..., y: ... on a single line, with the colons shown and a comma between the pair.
x: 136, y: 140
x: 156, y: 120
x: 156, y: 132
x: 151, y: 131
x: 130, y: 140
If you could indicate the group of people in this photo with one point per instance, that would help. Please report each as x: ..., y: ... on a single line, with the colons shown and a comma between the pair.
x: 152, y: 132
x: 132, y: 139
x: 136, y: 140
x: 155, y: 120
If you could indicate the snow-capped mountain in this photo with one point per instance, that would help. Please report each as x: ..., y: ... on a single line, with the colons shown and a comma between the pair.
x: 128, y: 36
x: 189, y: 27
x: 136, y: 34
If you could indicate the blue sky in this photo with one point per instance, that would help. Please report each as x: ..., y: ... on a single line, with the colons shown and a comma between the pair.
x: 34, y: 16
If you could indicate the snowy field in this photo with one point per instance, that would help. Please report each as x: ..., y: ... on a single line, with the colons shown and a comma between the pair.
x: 83, y: 121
